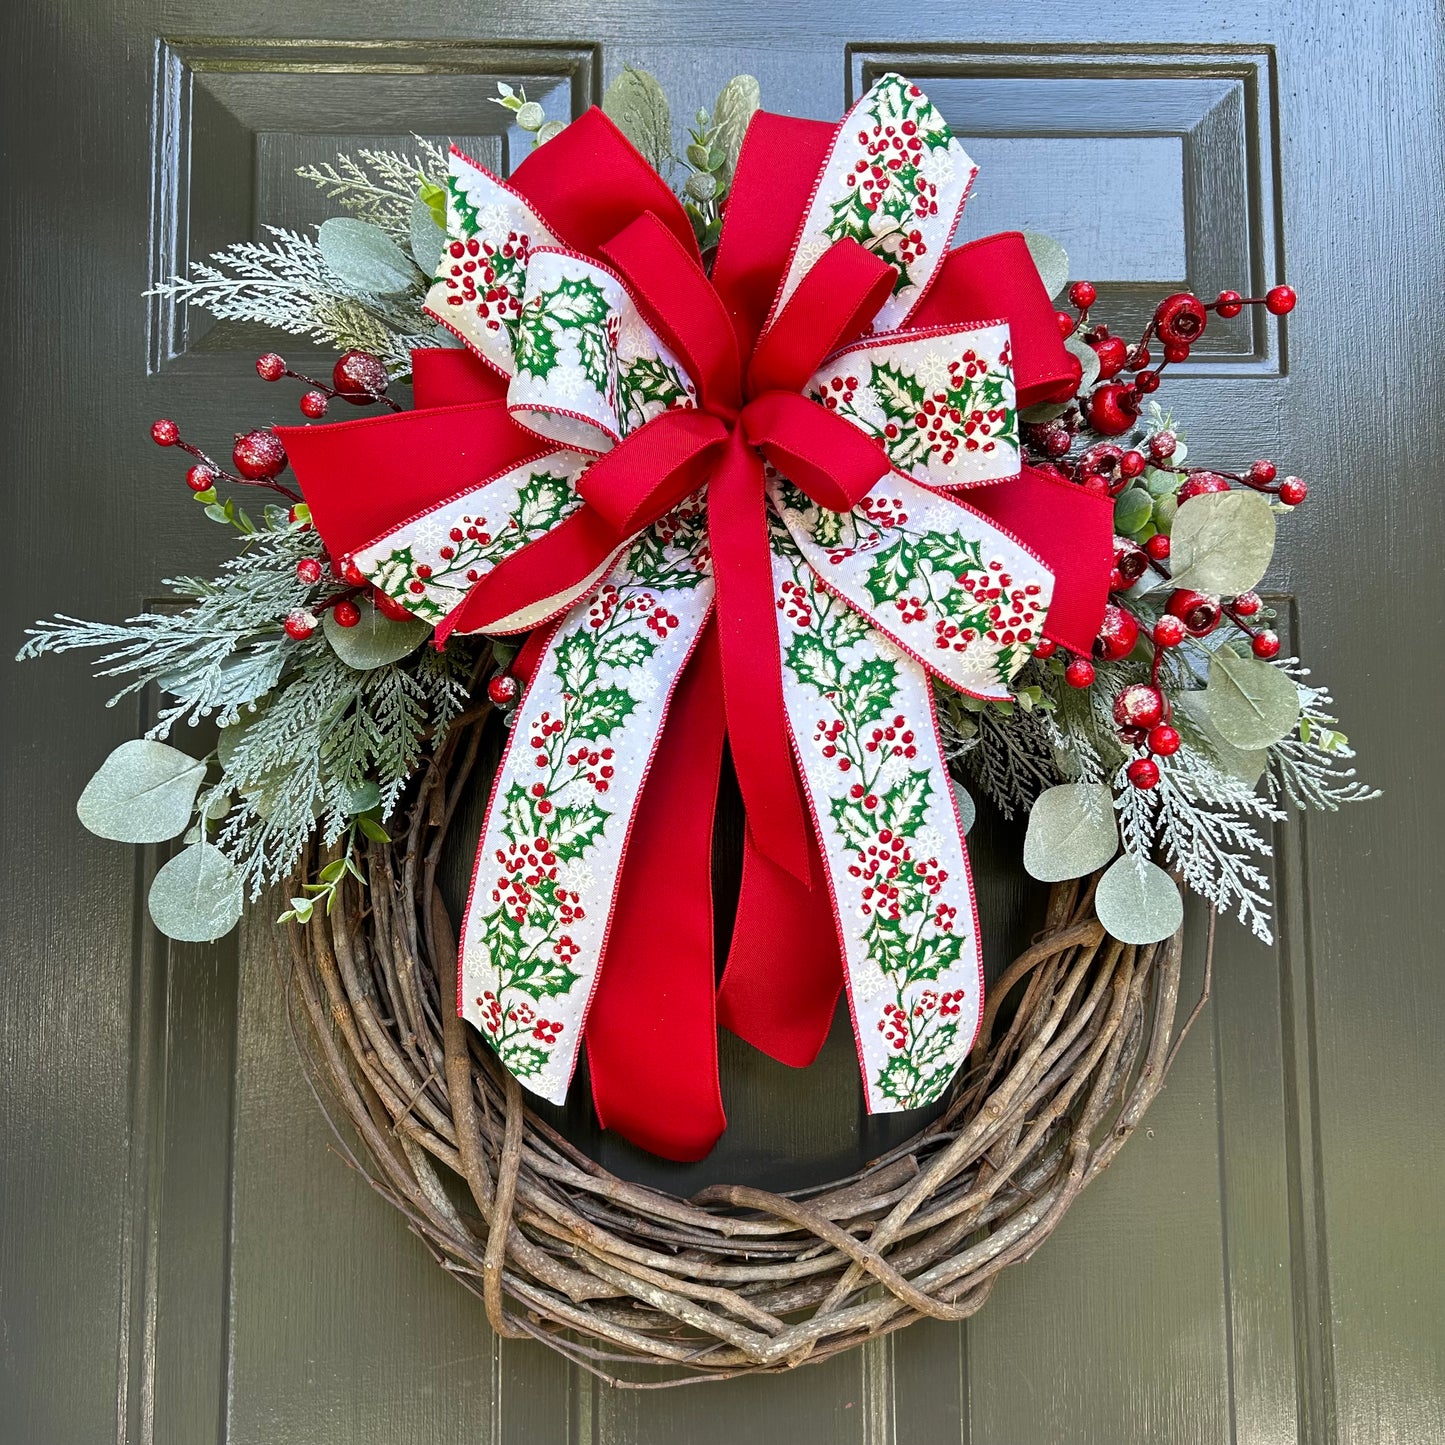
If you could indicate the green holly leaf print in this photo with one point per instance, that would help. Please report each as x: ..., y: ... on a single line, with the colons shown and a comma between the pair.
x: 573, y: 828
x: 854, y: 825
x: 646, y: 386
x: 898, y: 392
x: 625, y: 649
x: 867, y: 692
x: 519, y: 818
x: 838, y: 625
x: 466, y: 213
x: 522, y: 1060
x: 543, y: 978
x: 897, y: 573
x: 542, y: 502
x: 935, y: 954
x: 889, y: 942
x: 814, y: 663
x: 535, y: 346
x: 601, y: 711
x: 904, y: 806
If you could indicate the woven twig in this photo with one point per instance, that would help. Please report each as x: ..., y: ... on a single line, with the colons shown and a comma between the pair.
x: 647, y: 1289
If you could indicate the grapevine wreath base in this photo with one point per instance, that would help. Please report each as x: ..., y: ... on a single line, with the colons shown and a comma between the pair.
x: 735, y: 1280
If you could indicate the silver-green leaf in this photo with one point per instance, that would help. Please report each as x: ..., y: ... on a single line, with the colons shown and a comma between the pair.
x: 736, y: 104
x: 635, y: 103
x: 1138, y: 902
x: 365, y: 257
x: 427, y: 238
x: 1246, y: 764
x: 1252, y: 704
x: 142, y: 793
x: 375, y: 640
x: 197, y: 896
x: 1221, y: 542
x: 1071, y: 832
x: 967, y: 811
x: 1051, y: 260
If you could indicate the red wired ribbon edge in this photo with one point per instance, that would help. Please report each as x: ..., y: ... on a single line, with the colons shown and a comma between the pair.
x: 728, y: 509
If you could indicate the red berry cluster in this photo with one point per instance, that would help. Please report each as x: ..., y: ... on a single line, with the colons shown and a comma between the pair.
x: 480, y: 274
x: 357, y: 377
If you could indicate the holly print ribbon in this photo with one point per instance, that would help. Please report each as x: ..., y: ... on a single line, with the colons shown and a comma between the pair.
x: 793, y: 487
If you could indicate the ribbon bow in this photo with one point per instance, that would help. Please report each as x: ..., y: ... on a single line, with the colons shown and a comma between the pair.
x: 727, y: 509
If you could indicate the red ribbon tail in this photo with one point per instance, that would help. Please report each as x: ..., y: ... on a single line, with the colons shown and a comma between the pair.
x: 651, y: 1031
x: 785, y: 967
x: 752, y: 669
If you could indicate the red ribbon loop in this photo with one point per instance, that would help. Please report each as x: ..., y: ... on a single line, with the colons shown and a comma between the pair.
x: 829, y: 458
x: 654, y: 469
x: 834, y: 303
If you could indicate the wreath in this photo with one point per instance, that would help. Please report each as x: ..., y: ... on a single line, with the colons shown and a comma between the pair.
x: 765, y: 470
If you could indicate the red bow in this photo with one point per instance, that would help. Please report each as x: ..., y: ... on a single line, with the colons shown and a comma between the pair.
x: 654, y: 1068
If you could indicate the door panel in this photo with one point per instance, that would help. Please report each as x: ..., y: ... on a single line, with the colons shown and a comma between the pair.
x: 187, y: 1255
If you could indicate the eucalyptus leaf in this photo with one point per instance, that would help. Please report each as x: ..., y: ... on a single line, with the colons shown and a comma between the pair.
x: 364, y: 256
x: 197, y: 896
x: 375, y: 640
x: 1251, y: 703
x: 1132, y: 509
x: 142, y: 793
x: 1088, y: 359
x: 1246, y: 764
x: 1071, y: 832
x: 1221, y: 542
x: 1138, y: 902
x: 967, y: 811
x: 427, y: 238
x: 1051, y: 260
x: 736, y: 104
x: 635, y: 103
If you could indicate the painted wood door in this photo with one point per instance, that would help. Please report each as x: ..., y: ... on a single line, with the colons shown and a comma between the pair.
x: 185, y: 1259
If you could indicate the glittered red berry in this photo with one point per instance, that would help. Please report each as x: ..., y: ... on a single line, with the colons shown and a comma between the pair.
x: 200, y: 478
x: 1144, y: 773
x: 259, y: 455
x: 165, y: 433
x: 1265, y: 644
x: 1132, y: 464
x: 1180, y: 319
x: 345, y: 567
x: 1292, y: 491
x: 1079, y: 672
x: 313, y: 404
x: 1130, y: 562
x: 1045, y: 647
x: 1158, y: 546
x: 503, y: 689
x: 347, y: 614
x: 1196, y: 484
x: 1164, y: 740
x: 308, y: 570
x: 1112, y: 354
x: 1261, y: 473
x: 1117, y: 636
x: 1057, y: 441
x: 1229, y: 304
x: 1198, y: 611
x: 270, y: 367
x: 1082, y: 295
x: 1279, y: 300
x: 1147, y: 381
x: 389, y: 606
x: 1139, y: 357
x: 299, y: 624
x: 1140, y: 705
x: 359, y: 377
x: 1163, y: 445
x: 1247, y: 604
x: 1113, y: 408
x: 1169, y: 631
x: 1065, y: 323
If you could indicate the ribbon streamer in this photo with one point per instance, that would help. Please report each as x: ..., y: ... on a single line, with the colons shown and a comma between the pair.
x: 775, y: 506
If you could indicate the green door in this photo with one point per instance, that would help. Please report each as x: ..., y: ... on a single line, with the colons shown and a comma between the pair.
x: 186, y: 1257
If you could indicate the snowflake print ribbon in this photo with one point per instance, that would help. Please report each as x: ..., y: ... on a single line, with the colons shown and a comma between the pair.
x: 771, y: 506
